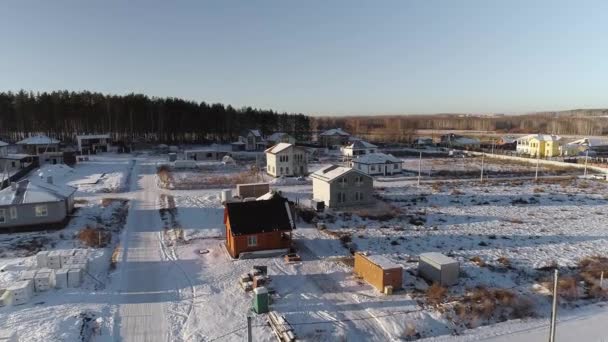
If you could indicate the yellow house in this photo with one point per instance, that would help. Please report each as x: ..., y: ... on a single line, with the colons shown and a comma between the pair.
x: 545, y: 146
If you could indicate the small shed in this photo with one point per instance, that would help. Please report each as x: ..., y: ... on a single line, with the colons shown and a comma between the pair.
x: 378, y: 271
x: 252, y: 190
x: 439, y: 268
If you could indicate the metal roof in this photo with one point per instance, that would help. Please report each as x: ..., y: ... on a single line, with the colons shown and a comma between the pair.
x: 335, y: 131
x: 332, y: 172
x: 29, y: 192
x: 376, y: 158
x: 38, y: 140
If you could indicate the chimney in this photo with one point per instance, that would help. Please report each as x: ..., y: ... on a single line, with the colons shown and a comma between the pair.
x: 13, y: 186
x: 49, y: 179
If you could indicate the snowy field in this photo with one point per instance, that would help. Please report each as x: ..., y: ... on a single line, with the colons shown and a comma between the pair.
x: 507, y: 236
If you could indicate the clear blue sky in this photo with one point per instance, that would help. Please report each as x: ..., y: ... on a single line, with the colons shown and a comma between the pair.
x: 317, y: 57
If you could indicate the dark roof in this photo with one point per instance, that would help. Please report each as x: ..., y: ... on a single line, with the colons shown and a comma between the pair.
x: 259, y: 216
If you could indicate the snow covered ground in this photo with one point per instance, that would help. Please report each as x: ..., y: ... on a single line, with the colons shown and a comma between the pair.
x: 164, y: 289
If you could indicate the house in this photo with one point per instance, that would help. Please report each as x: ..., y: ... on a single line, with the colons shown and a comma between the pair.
x: 33, y: 203
x: 237, y: 146
x: 280, y: 137
x: 254, y: 141
x: 359, y: 148
x: 258, y: 225
x: 423, y: 141
x: 597, y: 145
x: 3, y: 149
x: 91, y: 144
x: 205, y: 154
x: 542, y: 145
x: 378, y: 164
x: 334, y: 137
x: 38, y: 144
x: 339, y: 186
x: 507, y: 142
x: 284, y: 159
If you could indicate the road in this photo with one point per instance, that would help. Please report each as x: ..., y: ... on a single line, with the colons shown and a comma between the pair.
x: 143, y: 282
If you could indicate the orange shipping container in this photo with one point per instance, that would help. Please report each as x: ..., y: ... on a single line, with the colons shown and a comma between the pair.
x: 378, y: 271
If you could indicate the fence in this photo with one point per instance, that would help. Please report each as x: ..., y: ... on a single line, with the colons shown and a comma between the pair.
x: 19, y: 174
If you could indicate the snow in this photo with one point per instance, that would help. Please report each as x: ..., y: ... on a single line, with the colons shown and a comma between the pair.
x: 38, y: 140
x: 331, y: 172
x: 382, y: 261
x: 278, y: 148
x: 376, y: 158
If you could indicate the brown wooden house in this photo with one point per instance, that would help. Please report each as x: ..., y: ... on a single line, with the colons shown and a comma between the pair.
x: 258, y: 225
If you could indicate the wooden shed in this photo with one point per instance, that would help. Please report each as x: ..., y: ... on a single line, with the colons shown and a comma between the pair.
x: 378, y: 271
x: 252, y: 190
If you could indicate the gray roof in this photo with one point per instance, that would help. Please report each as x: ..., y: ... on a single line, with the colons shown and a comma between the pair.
x: 360, y: 145
x: 38, y: 140
x: 256, y: 132
x: 376, y: 158
x: 2, y: 144
x: 29, y: 192
x: 335, y: 131
x: 332, y: 172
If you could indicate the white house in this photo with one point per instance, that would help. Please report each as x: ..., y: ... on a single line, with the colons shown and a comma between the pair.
x: 576, y: 147
x: 3, y: 149
x: 38, y: 144
x: 378, y: 164
x: 359, y: 148
x: 254, y: 141
x: 339, y: 186
x: 284, y: 159
x: 93, y: 143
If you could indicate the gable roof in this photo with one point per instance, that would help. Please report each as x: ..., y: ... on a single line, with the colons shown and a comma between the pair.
x: 332, y: 172
x: 278, y: 148
x: 38, y: 140
x: 29, y: 192
x: 361, y: 144
x: 2, y: 144
x: 277, y: 136
x: 260, y: 216
x: 335, y: 131
x: 255, y: 132
x: 376, y: 158
x: 508, y: 139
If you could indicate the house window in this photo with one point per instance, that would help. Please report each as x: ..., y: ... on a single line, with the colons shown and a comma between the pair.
x: 252, y: 241
x: 287, y: 169
x: 281, y: 170
x: 41, y: 210
x: 358, y: 196
x: 359, y: 180
x: 343, y: 182
x: 2, y: 216
x: 209, y: 155
x: 341, y: 197
x: 373, y: 167
x: 13, y: 212
x: 395, y: 166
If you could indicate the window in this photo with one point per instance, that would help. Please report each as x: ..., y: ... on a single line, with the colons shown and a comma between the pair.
x: 358, y: 196
x: 341, y: 197
x: 252, y: 241
x: 343, y: 181
x: 41, y: 210
x: 13, y: 212
x: 281, y: 170
x: 287, y: 169
x: 395, y: 166
x: 209, y: 155
x: 373, y: 167
x: 2, y: 215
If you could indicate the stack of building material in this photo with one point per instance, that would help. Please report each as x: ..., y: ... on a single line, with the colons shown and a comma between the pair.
x: 41, y: 259
x: 44, y: 280
x: 54, y: 260
x: 66, y: 255
x: 28, y: 275
x: 281, y: 327
x: 61, y: 278
x: 74, y: 277
x: 20, y: 292
x: 4, y: 298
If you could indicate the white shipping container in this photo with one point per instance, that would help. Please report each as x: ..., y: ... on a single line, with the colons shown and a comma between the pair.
x: 439, y: 268
x: 44, y: 280
x: 20, y: 292
x: 74, y: 277
x: 61, y: 278
x: 41, y: 259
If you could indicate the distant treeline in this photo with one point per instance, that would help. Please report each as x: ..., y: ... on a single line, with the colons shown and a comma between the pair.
x: 61, y: 114
x: 403, y: 128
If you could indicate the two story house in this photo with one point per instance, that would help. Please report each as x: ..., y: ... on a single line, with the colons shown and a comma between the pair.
x: 339, y: 187
x: 284, y: 159
x: 359, y: 148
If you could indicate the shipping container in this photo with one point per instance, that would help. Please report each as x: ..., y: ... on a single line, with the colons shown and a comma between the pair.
x: 41, y: 259
x: 439, y: 268
x: 378, y: 271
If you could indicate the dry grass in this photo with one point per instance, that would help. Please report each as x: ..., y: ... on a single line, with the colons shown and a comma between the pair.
x: 456, y: 192
x: 538, y: 190
x: 590, y: 271
x: 106, y: 202
x: 436, y: 294
x: 164, y: 175
x: 504, y: 261
x: 482, y: 305
x: 115, y: 255
x: 94, y: 237
x: 477, y: 260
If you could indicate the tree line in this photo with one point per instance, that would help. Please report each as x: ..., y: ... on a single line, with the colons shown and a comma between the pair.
x: 136, y: 117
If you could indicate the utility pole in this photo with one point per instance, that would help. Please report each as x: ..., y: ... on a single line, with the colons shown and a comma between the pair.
x: 553, y: 309
x: 586, y: 158
x: 419, y: 168
x: 249, y: 336
x: 482, y: 164
x: 537, y: 164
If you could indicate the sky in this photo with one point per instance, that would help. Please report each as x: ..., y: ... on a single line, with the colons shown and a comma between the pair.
x: 317, y: 57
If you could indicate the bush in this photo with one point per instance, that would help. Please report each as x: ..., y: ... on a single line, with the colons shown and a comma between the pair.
x: 436, y: 294
x: 477, y: 260
x: 482, y: 305
x: 92, y: 237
